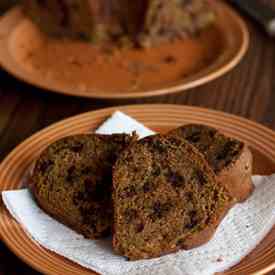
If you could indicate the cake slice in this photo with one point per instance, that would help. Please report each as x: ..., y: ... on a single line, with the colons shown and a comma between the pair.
x: 166, y: 21
x: 230, y: 159
x: 72, y: 181
x: 165, y: 198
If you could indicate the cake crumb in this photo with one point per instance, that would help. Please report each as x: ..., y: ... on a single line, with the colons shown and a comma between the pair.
x: 73, y: 60
x: 169, y: 59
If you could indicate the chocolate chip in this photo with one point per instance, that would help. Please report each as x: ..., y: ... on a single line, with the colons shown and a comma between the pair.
x: 44, y: 166
x: 78, y: 198
x: 86, y: 170
x: 160, y: 146
x: 147, y: 187
x: 194, y: 138
x: 139, y: 227
x: 88, y: 182
x: 212, y: 133
x: 105, y: 233
x: 130, y: 215
x: 230, y: 147
x: 77, y: 148
x: 156, y: 171
x: 160, y: 210
x: 70, y: 174
x: 192, y: 214
x: 99, y: 193
x: 175, y: 141
x: 95, y: 191
x: 189, y: 196
x: 199, y: 176
x: 180, y: 242
x: 175, y: 179
x: 193, y: 220
x: 216, y: 195
x: 89, y: 185
x: 227, y: 162
x: 128, y: 192
x: 89, y: 216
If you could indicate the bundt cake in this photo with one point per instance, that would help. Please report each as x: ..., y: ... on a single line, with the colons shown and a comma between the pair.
x: 230, y: 159
x: 138, y: 22
x: 72, y: 181
x: 165, y: 198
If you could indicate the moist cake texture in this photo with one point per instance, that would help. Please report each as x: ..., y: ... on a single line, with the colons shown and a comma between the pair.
x: 230, y: 159
x: 72, y: 181
x: 165, y: 198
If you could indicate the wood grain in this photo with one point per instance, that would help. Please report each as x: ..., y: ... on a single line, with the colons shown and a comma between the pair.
x: 248, y: 91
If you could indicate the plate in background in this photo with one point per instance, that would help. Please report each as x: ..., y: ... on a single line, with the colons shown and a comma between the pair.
x: 69, y: 67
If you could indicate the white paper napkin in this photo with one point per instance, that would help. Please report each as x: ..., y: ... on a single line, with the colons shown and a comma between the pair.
x: 239, y: 233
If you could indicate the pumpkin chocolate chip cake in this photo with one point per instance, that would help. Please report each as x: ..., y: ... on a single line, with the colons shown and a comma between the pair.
x: 165, y: 198
x: 72, y: 181
x: 230, y: 159
x: 137, y: 22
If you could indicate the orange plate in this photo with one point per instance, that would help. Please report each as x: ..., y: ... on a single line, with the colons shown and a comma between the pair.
x: 79, y: 69
x: 160, y: 118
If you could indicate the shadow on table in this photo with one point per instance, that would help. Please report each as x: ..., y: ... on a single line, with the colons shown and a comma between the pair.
x: 6, y: 4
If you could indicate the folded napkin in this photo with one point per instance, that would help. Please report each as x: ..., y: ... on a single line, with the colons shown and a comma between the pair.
x: 239, y: 233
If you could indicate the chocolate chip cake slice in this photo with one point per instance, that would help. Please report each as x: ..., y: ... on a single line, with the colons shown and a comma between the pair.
x: 143, y: 23
x: 165, y: 198
x: 72, y: 181
x: 230, y: 159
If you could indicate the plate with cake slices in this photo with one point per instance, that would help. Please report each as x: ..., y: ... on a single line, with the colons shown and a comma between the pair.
x: 102, y: 49
x: 157, y: 192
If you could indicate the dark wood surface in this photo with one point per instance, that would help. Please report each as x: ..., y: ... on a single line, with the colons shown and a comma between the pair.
x: 248, y: 91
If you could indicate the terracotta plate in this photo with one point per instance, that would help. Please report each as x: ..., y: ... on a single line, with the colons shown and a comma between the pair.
x: 160, y: 118
x: 79, y: 69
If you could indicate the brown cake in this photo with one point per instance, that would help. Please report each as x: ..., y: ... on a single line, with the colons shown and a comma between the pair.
x: 137, y: 22
x: 72, y: 181
x: 165, y: 198
x: 174, y: 19
x: 230, y: 159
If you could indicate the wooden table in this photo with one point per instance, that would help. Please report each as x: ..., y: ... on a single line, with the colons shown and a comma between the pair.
x: 248, y: 91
